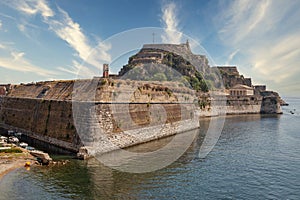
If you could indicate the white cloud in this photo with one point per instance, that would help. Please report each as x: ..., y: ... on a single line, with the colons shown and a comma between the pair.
x: 231, y: 56
x: 66, y: 29
x: 21, y: 27
x: 78, y: 69
x: 267, y: 35
x: 241, y: 19
x: 31, y: 7
x: 278, y: 61
x: 18, y: 62
x: 7, y: 16
x: 170, y: 24
x: 17, y: 55
x: 0, y: 24
x: 71, y: 32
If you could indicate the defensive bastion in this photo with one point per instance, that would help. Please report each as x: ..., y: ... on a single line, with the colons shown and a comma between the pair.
x: 45, y: 111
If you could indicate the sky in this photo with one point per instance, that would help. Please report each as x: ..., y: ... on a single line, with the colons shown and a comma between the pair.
x: 67, y: 39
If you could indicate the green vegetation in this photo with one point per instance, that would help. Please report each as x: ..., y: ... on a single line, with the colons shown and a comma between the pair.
x: 102, y: 82
x: 177, y: 67
x: 12, y: 150
x: 159, y: 77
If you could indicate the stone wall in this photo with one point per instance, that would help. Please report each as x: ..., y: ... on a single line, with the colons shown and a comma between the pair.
x: 46, y: 120
x: 254, y: 104
x: 271, y: 104
x: 108, y: 128
x: 45, y: 111
x: 52, y: 121
x: 243, y: 105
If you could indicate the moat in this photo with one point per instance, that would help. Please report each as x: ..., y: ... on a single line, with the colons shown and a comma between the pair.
x: 257, y: 156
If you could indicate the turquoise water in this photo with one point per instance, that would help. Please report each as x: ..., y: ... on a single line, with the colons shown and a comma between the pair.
x: 256, y: 157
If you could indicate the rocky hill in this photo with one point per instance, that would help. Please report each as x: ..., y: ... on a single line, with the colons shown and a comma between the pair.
x: 151, y: 61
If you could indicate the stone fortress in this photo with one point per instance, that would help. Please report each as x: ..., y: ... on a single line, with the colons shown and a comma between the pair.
x: 44, y: 111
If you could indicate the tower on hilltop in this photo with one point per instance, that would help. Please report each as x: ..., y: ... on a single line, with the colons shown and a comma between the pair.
x: 105, y: 71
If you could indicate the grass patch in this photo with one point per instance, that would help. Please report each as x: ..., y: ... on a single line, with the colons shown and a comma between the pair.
x: 12, y: 150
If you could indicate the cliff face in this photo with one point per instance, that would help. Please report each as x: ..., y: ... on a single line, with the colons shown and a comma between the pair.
x: 231, y: 76
x: 148, y: 64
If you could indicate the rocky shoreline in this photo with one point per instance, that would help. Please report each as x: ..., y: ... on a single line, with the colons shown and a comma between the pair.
x: 12, y: 161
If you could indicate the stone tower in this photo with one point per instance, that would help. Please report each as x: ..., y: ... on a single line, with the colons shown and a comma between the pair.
x: 105, y: 71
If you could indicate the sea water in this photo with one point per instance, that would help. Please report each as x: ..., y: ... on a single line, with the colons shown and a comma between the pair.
x: 256, y: 157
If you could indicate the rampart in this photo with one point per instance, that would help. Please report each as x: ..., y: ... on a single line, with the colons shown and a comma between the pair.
x: 46, y: 112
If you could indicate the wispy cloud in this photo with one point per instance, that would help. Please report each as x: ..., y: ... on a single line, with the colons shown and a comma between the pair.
x: 241, y: 19
x: 231, y: 56
x: 31, y: 7
x: 267, y: 34
x: 0, y: 24
x: 170, y: 24
x: 78, y: 69
x: 17, y: 62
x: 71, y: 32
x: 278, y: 61
x: 2, y: 46
x: 7, y: 16
x: 64, y: 27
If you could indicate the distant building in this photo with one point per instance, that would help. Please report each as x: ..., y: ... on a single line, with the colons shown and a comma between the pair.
x: 241, y: 90
x: 105, y: 71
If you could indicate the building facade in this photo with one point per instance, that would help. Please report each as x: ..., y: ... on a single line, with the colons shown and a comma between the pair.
x: 241, y: 90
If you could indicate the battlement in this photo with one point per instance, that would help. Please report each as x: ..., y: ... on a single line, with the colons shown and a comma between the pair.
x: 185, y: 47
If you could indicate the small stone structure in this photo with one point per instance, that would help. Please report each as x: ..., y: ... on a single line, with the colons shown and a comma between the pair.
x: 241, y: 90
x: 105, y: 71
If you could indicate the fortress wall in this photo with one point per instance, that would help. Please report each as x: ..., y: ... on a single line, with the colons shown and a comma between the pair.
x: 244, y: 105
x: 60, y: 90
x: 271, y: 104
x: 46, y: 120
x: 51, y: 121
x: 113, y: 124
x: 50, y: 118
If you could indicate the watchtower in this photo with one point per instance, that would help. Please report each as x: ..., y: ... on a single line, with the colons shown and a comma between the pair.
x: 105, y: 71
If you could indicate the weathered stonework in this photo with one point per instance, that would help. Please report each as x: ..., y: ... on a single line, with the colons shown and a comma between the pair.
x: 103, y: 111
x: 52, y: 120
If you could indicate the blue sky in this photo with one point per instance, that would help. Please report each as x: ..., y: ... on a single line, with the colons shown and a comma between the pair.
x: 45, y: 40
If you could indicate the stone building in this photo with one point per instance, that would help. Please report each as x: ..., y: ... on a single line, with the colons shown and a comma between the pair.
x: 241, y: 90
x: 105, y: 71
